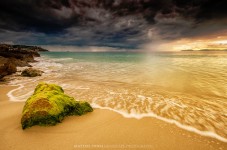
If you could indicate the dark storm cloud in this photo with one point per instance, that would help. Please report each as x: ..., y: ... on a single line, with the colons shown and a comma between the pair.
x: 120, y: 23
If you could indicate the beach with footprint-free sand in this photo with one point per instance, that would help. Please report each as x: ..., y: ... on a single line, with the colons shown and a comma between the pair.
x: 101, y: 129
x: 141, y: 101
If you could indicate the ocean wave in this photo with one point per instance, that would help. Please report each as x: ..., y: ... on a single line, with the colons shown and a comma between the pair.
x: 123, y: 88
x: 47, y: 65
x: 18, y: 98
x: 171, y: 121
x: 62, y: 59
x: 108, y: 104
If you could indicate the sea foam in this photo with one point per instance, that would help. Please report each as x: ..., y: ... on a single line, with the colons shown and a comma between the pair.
x: 75, y: 76
x: 171, y: 121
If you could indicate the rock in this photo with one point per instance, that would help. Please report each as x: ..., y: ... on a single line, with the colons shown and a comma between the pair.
x: 6, y: 67
x: 20, y: 52
x: 12, y: 56
x: 20, y: 63
x: 30, y: 72
x: 34, y: 48
x: 49, y: 105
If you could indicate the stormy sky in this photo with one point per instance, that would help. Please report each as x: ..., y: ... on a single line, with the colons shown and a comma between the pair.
x: 128, y: 24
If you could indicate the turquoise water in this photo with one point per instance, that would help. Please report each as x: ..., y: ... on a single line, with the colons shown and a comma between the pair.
x: 188, y: 89
x: 199, y: 73
x: 98, y: 56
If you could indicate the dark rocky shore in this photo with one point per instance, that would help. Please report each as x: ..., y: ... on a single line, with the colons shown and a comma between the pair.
x: 13, y: 56
x: 49, y: 104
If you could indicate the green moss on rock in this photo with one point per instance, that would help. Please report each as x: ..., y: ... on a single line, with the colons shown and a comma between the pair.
x: 49, y: 105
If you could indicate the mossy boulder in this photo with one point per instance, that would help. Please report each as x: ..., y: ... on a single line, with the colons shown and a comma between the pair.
x: 49, y: 105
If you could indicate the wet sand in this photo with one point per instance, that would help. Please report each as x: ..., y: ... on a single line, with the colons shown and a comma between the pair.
x: 101, y: 129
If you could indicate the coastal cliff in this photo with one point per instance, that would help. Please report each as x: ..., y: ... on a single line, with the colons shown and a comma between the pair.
x: 12, y: 56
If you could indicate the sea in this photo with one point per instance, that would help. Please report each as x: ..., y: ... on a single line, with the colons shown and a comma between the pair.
x: 188, y: 89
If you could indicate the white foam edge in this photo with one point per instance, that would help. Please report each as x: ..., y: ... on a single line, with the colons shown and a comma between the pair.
x: 171, y: 121
x: 140, y: 116
x: 10, y: 93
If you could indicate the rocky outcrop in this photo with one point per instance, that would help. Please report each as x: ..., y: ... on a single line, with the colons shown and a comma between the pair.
x: 35, y: 48
x: 6, y: 67
x: 18, y: 56
x: 49, y: 105
x: 19, y: 52
x: 30, y: 72
x: 20, y: 63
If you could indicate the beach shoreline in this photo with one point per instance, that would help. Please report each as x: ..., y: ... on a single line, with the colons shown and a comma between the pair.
x: 101, y: 129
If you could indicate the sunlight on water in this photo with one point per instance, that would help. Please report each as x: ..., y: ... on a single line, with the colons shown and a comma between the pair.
x: 189, y: 88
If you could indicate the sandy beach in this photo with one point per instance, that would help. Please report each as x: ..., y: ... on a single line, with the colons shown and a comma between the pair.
x: 101, y: 129
x: 136, y: 74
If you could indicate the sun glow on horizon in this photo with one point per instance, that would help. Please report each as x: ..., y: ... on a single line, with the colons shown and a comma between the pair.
x: 202, y: 43
x: 217, y: 41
